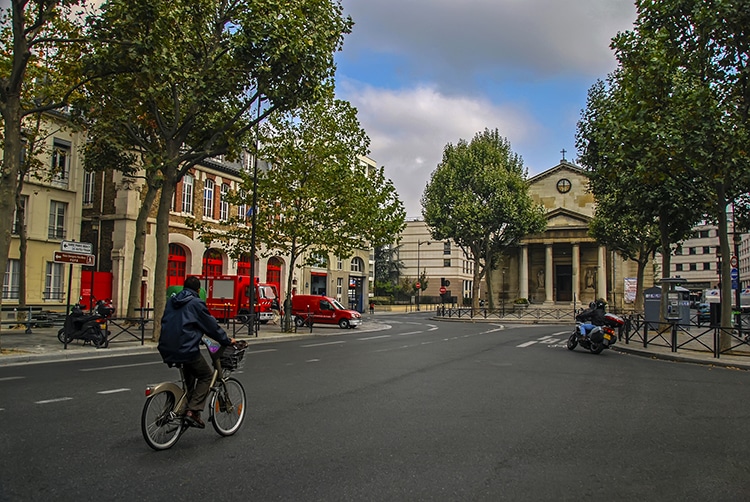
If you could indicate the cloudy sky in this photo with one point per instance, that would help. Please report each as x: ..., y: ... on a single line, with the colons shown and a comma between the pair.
x: 424, y: 73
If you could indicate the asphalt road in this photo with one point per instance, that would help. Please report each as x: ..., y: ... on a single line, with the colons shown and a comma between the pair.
x: 425, y: 410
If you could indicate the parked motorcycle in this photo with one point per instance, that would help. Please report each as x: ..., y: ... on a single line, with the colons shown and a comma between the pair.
x: 91, y: 327
x: 599, y: 338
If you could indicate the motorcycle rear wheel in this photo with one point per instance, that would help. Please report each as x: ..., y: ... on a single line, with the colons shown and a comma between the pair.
x: 596, y: 348
x: 572, y: 341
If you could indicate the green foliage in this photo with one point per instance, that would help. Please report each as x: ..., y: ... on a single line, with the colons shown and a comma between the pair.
x: 316, y: 197
x: 478, y: 197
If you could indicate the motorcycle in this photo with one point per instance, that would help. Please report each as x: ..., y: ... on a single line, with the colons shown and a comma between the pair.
x: 90, y: 328
x: 599, y: 338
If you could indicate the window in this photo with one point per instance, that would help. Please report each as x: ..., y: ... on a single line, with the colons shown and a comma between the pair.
x: 242, y: 208
x: 358, y: 265
x: 208, y: 199
x: 89, y: 178
x: 446, y: 263
x: 318, y: 260
x: 678, y: 250
x: 19, y: 219
x: 678, y: 267
x: 692, y: 251
x: 706, y: 265
x: 340, y: 263
x: 704, y: 234
x: 693, y: 266
x: 56, y: 229
x: 447, y: 248
x: 224, y: 206
x: 10, y: 282
x: 53, y: 282
x: 339, y: 287
x: 187, y: 193
x: 706, y: 249
x: 60, y: 162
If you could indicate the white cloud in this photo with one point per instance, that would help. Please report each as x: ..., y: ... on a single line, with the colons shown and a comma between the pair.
x: 444, y: 38
x: 409, y: 129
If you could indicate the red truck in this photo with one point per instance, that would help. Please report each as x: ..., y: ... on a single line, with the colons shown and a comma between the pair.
x: 228, y: 296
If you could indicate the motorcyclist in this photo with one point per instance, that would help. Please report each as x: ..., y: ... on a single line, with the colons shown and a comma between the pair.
x: 592, y: 316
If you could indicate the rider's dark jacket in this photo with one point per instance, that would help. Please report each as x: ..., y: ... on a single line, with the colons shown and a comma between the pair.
x: 593, y: 315
x: 186, y: 319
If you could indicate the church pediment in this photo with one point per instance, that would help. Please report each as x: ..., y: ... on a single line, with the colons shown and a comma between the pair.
x: 565, y: 186
x: 564, y: 218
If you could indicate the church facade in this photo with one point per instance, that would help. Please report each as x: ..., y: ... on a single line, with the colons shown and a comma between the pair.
x: 564, y: 266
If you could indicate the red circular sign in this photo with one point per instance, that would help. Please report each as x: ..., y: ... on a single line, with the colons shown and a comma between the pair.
x: 733, y: 261
x: 418, y: 286
x: 443, y: 291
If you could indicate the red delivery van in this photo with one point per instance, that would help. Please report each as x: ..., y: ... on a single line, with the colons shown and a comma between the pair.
x: 324, y: 310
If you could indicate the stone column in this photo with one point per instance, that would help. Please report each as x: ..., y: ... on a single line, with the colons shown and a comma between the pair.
x: 548, y: 296
x: 523, y: 278
x: 601, y: 275
x: 576, y: 272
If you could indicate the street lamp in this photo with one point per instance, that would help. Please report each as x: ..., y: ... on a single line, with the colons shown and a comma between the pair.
x: 419, y: 278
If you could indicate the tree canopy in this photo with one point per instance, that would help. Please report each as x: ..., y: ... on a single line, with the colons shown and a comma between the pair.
x: 478, y: 197
x: 190, y: 79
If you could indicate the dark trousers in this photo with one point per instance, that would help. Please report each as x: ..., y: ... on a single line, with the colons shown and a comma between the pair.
x: 198, y: 375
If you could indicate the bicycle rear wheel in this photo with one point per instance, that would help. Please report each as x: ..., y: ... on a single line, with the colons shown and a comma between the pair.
x: 160, y: 424
x: 227, y: 407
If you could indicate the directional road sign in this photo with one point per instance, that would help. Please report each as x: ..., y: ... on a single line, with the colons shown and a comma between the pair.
x: 76, y: 258
x: 77, y: 247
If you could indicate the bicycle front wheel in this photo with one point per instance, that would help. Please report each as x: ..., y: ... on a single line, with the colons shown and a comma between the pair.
x: 227, y: 406
x: 160, y: 424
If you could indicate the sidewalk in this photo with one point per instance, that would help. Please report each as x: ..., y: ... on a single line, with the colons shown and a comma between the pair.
x: 42, y: 345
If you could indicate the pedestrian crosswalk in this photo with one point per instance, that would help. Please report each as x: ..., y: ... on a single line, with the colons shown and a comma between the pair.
x: 554, y: 340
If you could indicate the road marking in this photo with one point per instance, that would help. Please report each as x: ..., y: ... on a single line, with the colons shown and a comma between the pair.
x: 410, y: 333
x: 527, y: 344
x: 321, y: 344
x: 561, y: 333
x: 47, y: 401
x: 374, y: 337
x: 259, y: 351
x: 113, y: 391
x: 550, y: 341
x: 312, y: 360
x: 6, y: 379
x: 120, y: 366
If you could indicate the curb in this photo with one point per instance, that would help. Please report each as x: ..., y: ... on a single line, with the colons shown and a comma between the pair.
x: 707, y: 360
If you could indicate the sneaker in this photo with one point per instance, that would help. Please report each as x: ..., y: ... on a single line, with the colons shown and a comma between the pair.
x: 194, y: 419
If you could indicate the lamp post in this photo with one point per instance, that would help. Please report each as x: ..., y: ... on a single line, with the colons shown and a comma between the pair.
x: 419, y: 278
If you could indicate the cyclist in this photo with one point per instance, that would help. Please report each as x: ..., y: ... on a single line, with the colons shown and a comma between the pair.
x: 186, y: 319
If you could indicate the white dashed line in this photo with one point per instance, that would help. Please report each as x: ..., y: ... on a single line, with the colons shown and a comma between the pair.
x: 113, y: 391
x: 374, y: 337
x: 321, y: 344
x: 47, y: 401
x: 6, y: 379
x: 527, y: 344
x: 312, y: 360
x: 120, y: 366
x: 410, y: 333
x: 260, y: 351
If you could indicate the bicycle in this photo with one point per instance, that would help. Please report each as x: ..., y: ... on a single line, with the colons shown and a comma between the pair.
x: 163, y: 419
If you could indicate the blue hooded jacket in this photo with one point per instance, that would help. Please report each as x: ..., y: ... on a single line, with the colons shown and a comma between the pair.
x: 186, y: 319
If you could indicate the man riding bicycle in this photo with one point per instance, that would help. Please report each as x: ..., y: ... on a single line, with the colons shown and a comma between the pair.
x: 186, y: 319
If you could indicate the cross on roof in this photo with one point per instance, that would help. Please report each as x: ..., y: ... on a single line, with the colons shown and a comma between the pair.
x: 563, y: 153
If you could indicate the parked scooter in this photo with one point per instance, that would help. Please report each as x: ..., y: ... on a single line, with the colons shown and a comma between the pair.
x: 91, y: 328
x: 599, y: 338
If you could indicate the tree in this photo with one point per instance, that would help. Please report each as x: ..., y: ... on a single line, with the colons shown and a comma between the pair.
x: 624, y: 142
x: 700, y: 50
x: 192, y: 78
x: 38, y: 73
x: 387, y: 269
x: 315, y: 198
x: 478, y: 197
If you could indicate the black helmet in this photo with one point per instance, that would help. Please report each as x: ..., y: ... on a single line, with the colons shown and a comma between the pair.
x: 592, y: 305
x: 601, y: 303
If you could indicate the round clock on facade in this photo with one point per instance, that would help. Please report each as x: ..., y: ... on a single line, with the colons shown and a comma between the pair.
x: 563, y: 186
